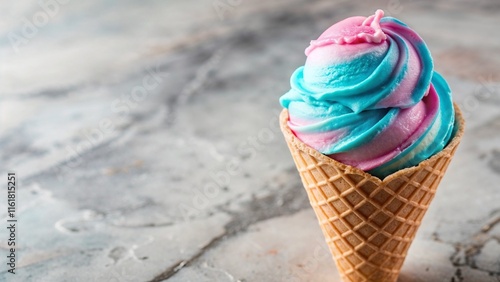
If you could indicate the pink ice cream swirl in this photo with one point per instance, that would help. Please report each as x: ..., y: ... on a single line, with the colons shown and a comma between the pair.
x: 368, y: 96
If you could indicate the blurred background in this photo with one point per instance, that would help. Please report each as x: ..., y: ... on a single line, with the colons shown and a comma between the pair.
x: 146, y: 142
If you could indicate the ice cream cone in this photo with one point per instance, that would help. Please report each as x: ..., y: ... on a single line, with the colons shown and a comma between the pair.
x: 368, y: 223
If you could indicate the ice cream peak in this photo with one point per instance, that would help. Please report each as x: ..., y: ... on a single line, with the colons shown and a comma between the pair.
x: 350, y: 31
x: 368, y: 96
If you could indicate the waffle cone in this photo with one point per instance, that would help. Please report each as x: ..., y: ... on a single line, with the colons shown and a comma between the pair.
x: 368, y: 223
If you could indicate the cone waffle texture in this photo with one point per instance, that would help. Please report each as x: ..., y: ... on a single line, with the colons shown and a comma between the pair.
x: 368, y: 223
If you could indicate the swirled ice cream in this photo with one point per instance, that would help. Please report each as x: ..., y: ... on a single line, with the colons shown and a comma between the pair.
x: 368, y: 96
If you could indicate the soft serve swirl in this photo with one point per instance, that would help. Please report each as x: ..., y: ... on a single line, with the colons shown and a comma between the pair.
x: 368, y: 96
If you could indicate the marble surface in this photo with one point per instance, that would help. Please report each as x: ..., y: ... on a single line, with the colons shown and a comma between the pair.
x: 145, y: 139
